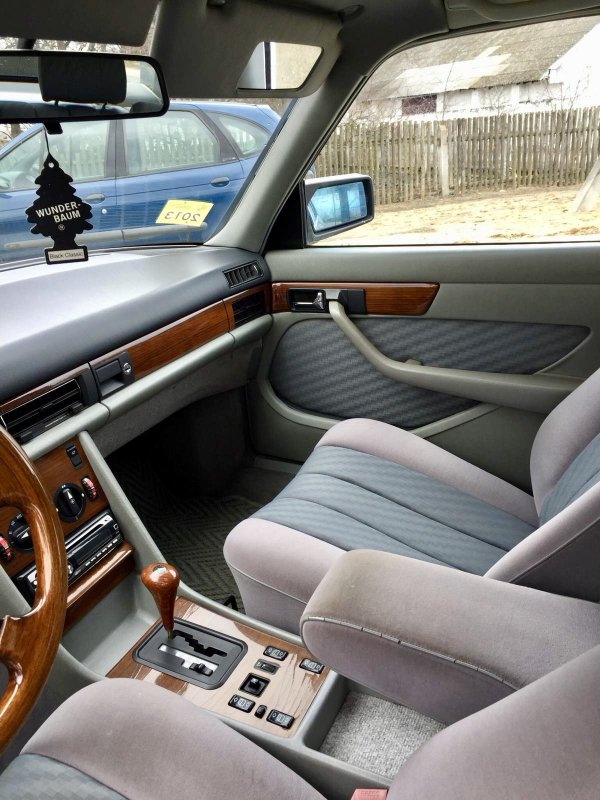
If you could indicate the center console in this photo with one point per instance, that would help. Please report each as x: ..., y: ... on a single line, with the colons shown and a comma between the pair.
x: 228, y: 668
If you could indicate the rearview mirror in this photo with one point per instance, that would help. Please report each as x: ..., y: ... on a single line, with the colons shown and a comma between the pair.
x: 58, y: 86
x: 337, y: 204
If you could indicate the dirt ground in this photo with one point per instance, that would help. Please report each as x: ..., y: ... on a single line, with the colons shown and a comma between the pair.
x: 502, y: 216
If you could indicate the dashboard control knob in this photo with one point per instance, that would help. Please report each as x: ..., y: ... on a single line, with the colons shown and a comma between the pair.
x: 69, y: 501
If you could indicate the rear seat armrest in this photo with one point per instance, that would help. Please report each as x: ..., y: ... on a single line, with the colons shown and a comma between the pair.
x: 441, y: 641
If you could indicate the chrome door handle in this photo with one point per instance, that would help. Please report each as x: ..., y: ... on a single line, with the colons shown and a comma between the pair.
x: 95, y: 198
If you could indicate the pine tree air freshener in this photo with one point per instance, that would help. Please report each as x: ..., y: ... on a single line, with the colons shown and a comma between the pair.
x: 59, y: 214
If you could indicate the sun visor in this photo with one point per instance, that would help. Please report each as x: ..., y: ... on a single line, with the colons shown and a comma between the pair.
x: 216, y: 41
x: 108, y: 21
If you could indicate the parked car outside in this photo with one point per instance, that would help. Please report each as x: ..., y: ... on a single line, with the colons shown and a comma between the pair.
x: 128, y: 169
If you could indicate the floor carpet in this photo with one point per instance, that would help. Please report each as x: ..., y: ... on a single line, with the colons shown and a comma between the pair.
x: 377, y: 735
x: 190, y: 530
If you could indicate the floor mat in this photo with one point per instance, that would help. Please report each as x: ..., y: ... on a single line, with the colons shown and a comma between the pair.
x: 189, y: 530
x: 377, y: 735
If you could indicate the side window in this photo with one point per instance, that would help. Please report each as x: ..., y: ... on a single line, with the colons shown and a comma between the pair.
x: 489, y: 137
x: 177, y: 140
x: 249, y: 138
x: 20, y: 167
x: 81, y: 149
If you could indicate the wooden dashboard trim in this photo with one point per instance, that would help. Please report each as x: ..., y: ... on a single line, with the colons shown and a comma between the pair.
x: 160, y: 347
x: 291, y: 689
x: 55, y: 468
x: 406, y: 299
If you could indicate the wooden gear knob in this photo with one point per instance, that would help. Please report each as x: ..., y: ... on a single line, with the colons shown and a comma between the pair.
x: 162, y: 581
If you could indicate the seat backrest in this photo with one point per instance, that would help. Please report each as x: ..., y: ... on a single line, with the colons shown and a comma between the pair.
x: 563, y: 554
x: 566, y: 451
x: 540, y: 743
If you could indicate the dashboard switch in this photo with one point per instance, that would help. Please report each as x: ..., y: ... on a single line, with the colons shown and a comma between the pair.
x: 6, y: 553
x: 89, y: 488
x: 73, y: 454
x: 312, y: 666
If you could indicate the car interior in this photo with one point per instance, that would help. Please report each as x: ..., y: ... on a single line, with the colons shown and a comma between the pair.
x: 304, y: 501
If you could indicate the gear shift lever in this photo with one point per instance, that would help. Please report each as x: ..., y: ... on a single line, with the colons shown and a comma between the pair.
x: 162, y: 581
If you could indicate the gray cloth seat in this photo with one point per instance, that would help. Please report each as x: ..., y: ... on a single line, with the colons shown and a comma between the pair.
x: 371, y: 485
x: 127, y: 739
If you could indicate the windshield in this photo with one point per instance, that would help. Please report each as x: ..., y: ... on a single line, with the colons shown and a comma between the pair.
x: 148, y: 181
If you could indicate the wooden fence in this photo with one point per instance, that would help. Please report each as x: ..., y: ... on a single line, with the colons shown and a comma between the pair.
x: 415, y: 160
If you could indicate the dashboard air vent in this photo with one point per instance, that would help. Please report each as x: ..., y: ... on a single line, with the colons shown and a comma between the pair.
x: 248, y: 308
x: 35, y: 416
x: 244, y: 274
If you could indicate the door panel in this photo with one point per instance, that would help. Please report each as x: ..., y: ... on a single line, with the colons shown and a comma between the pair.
x: 500, y: 309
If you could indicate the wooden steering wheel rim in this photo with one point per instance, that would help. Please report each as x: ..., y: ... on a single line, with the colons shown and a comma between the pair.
x: 28, y: 644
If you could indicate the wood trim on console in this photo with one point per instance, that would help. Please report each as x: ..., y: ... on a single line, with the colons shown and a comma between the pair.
x: 290, y: 689
x: 406, y: 299
x: 98, y: 582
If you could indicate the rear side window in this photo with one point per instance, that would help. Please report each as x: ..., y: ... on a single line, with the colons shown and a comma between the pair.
x: 81, y: 149
x: 178, y: 140
x: 248, y: 137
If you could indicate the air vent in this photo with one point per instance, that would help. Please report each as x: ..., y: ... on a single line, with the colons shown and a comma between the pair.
x: 245, y: 274
x: 248, y: 308
x: 35, y: 416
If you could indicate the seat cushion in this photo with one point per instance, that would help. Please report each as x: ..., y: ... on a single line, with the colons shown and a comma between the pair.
x: 125, y: 738
x: 370, y: 485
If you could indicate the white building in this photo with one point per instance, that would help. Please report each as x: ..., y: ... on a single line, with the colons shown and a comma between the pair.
x: 552, y: 65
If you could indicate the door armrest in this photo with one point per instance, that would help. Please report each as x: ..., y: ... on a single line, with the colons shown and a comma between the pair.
x: 443, y: 642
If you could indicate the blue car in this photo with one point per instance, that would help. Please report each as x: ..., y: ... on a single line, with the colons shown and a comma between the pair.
x: 128, y: 169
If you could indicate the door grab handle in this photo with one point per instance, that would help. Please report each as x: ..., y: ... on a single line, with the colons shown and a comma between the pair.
x: 220, y: 181
x: 95, y: 198
x: 540, y: 392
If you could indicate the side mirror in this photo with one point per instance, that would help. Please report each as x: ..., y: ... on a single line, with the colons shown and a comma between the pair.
x: 57, y: 86
x: 337, y: 204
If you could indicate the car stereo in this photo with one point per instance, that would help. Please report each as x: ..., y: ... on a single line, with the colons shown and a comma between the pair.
x: 85, y: 548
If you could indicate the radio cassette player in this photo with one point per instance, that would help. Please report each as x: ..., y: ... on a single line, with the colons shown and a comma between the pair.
x: 85, y: 548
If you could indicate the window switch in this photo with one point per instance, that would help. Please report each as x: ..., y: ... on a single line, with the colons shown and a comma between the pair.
x: 242, y: 703
x: 281, y: 719
x: 312, y: 666
x: 276, y: 653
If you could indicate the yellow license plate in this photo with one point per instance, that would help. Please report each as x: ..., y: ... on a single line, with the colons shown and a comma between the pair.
x: 184, y: 212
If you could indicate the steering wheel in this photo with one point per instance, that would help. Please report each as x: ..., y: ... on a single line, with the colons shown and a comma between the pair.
x: 28, y: 644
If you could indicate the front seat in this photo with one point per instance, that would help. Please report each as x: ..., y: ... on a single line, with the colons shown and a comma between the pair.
x: 373, y: 486
x: 126, y: 739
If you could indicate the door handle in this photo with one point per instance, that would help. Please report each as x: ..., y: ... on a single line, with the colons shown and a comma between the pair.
x: 307, y: 300
x: 220, y: 181
x: 95, y: 198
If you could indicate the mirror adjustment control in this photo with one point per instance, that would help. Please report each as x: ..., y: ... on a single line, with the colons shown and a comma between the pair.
x: 279, y: 718
x: 254, y: 685
x: 242, y: 703
x: 276, y: 653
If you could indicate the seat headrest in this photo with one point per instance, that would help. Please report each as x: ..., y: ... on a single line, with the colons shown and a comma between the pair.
x: 82, y: 80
